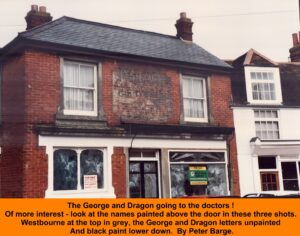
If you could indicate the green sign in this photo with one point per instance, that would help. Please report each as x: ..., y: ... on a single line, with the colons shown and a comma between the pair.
x: 198, y: 175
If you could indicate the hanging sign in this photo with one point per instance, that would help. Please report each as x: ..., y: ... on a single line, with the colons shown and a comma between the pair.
x: 198, y: 175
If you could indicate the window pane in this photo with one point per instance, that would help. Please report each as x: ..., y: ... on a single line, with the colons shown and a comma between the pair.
x: 135, y: 186
x: 134, y: 167
x: 185, y: 88
x: 267, y: 162
x: 198, y: 88
x: 265, y: 75
x: 188, y: 110
x: 254, y: 86
x: 289, y: 176
x: 150, y: 185
x: 269, y: 181
x: 270, y: 76
x: 150, y: 167
x: 65, y: 170
x: 86, y: 76
x: 180, y: 185
x: 78, y: 99
x: 289, y: 170
x: 253, y: 75
x: 290, y: 185
x: 258, y: 75
x: 148, y: 153
x: 71, y: 74
x: 91, y: 163
x: 198, y: 111
x: 197, y: 156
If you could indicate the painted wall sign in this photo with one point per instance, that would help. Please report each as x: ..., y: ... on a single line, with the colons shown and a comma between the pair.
x: 142, y: 93
x: 198, y: 175
x: 90, y: 181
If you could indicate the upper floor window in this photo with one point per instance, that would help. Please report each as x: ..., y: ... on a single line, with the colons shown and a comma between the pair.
x: 263, y: 85
x: 266, y: 124
x: 194, y: 99
x: 79, y: 88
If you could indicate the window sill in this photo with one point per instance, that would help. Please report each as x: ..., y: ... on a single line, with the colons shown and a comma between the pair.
x: 265, y: 102
x: 195, y: 120
x: 80, y: 113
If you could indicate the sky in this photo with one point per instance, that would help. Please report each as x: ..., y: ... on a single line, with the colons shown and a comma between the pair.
x: 226, y: 28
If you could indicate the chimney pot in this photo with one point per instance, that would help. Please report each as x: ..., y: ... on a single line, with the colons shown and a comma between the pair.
x: 183, y: 15
x: 184, y: 27
x: 43, y: 9
x: 34, y: 8
x: 295, y: 39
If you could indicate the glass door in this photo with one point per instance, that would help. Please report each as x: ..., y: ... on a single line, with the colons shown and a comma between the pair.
x: 144, y: 173
x: 143, y: 179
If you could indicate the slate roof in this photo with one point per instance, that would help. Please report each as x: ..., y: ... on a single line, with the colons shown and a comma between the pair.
x: 112, y: 39
x: 290, y: 83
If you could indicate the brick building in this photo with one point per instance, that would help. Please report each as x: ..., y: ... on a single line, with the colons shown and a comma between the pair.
x: 95, y: 110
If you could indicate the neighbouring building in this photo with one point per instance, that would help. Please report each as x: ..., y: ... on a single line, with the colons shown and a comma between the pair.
x: 100, y: 111
x: 266, y: 107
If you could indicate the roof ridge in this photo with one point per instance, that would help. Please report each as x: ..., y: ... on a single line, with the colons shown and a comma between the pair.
x: 120, y: 27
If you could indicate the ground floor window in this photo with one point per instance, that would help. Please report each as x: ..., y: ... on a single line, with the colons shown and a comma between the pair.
x: 275, y: 170
x: 290, y: 175
x: 210, y: 167
x: 269, y: 181
x: 76, y: 169
x: 144, y: 173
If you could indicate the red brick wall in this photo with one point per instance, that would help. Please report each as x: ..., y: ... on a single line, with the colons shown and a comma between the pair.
x: 119, y: 172
x: 31, y: 91
x: 222, y: 114
x: 42, y: 73
x: 220, y: 95
x: 234, y: 171
x: 12, y: 127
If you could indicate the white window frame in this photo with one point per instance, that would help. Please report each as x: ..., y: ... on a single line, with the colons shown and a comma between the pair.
x: 270, y: 170
x: 156, y: 159
x: 280, y: 159
x: 94, y: 112
x: 53, y: 143
x: 193, y: 119
x: 225, y: 162
x: 275, y: 81
x: 78, y: 155
x: 267, y: 119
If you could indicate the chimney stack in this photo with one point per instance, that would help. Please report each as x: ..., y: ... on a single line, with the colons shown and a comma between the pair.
x: 37, y: 16
x: 295, y: 50
x: 184, y: 27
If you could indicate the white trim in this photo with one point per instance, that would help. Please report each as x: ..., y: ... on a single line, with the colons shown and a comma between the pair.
x: 276, y: 82
x: 64, y: 142
x: 95, y: 89
x: 204, y: 99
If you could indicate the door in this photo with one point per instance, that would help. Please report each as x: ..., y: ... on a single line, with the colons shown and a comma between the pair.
x: 143, y: 179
